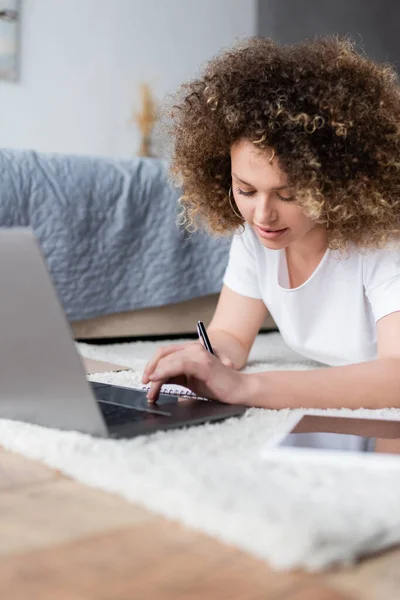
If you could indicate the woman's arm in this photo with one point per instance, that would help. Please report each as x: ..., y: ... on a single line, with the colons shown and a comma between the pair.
x: 232, y: 331
x: 235, y: 325
x: 372, y: 384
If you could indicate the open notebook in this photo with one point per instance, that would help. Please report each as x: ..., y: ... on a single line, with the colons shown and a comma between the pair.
x: 175, y: 390
x: 98, y: 366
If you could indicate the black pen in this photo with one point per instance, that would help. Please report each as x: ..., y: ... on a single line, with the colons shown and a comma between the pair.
x: 201, y: 330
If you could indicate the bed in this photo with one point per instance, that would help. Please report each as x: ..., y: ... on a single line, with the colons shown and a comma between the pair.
x: 108, y: 230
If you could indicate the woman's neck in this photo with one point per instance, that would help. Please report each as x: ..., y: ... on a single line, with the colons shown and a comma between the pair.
x: 310, y: 248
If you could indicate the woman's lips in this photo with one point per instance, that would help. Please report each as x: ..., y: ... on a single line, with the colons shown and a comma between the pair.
x: 270, y: 235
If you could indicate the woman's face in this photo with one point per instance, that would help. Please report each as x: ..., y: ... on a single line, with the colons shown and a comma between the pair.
x: 264, y: 197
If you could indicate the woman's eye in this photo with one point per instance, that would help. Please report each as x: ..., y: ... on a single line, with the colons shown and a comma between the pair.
x: 286, y: 199
x: 239, y: 191
x: 283, y: 198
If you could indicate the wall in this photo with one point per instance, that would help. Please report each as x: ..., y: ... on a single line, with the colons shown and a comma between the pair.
x: 82, y: 62
x: 373, y: 24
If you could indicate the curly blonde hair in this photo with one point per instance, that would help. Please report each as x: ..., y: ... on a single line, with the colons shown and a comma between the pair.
x: 331, y: 115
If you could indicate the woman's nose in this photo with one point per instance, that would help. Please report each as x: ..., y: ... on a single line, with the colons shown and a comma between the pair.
x: 265, y: 211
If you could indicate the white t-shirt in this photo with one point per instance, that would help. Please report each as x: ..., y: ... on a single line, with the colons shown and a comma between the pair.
x: 331, y: 318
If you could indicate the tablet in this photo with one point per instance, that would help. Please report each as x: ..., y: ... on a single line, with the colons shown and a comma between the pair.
x: 322, y: 437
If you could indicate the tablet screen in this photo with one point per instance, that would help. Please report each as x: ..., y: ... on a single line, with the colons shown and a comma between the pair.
x: 344, y: 434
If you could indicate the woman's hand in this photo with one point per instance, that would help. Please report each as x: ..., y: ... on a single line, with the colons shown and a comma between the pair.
x: 189, y: 364
x: 165, y: 351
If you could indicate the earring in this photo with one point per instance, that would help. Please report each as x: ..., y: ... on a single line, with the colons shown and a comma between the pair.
x: 232, y: 207
x: 272, y: 157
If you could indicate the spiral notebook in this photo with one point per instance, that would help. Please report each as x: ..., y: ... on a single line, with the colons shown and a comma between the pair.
x: 99, y: 366
x: 175, y: 390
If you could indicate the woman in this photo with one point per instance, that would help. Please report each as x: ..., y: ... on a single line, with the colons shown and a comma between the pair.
x: 296, y: 148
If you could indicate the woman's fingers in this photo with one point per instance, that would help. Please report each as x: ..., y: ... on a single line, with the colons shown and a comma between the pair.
x: 154, y: 390
x: 175, y: 366
x: 193, y: 361
x: 155, y: 387
x: 227, y: 362
x: 224, y: 359
x: 189, y: 363
x: 158, y: 355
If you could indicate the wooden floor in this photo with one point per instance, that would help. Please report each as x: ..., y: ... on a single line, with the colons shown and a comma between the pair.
x: 60, y: 540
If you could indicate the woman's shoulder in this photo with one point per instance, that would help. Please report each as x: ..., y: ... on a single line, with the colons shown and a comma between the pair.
x: 380, y: 264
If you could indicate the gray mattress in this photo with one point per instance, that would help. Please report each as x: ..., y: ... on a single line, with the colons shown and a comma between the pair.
x: 107, y: 228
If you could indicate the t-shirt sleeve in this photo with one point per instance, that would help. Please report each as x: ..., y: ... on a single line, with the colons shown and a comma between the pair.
x: 241, y: 273
x: 381, y: 276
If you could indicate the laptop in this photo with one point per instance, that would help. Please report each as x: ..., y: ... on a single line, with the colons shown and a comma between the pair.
x: 43, y: 380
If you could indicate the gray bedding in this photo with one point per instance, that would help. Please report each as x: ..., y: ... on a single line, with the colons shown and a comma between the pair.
x: 107, y: 228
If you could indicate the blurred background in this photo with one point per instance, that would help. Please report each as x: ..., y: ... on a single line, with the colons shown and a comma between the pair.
x: 87, y: 76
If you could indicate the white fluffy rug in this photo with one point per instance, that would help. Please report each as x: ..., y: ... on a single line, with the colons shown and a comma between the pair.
x: 214, y: 479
